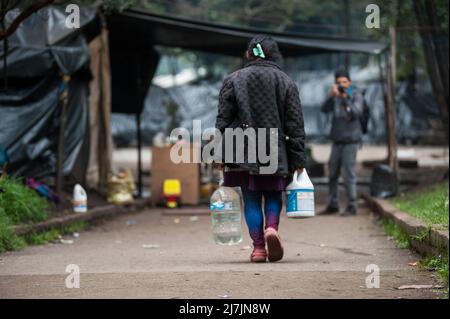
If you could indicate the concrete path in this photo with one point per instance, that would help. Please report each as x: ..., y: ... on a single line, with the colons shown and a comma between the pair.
x: 325, y: 257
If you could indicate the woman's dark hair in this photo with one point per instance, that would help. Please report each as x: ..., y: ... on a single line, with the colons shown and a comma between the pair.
x: 269, y: 47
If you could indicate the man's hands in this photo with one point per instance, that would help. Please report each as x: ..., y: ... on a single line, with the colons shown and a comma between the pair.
x: 335, y: 92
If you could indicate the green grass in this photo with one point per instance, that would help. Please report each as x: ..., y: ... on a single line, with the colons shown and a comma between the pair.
x: 18, y: 204
x: 8, y: 239
x: 42, y: 238
x: 50, y: 235
x: 439, y: 264
x: 430, y: 206
x: 75, y: 227
x: 399, y: 236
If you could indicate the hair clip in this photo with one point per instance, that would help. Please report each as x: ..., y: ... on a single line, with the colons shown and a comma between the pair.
x: 257, y: 51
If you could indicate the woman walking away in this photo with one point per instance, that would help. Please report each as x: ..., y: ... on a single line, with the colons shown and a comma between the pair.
x: 262, y: 96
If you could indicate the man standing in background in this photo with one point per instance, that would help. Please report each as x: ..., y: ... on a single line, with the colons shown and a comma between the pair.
x: 346, y: 105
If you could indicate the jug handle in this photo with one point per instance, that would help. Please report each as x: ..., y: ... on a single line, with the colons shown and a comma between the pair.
x: 297, y: 176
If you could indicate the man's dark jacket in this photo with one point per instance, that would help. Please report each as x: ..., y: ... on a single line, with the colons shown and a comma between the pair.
x: 346, y: 120
x: 261, y: 95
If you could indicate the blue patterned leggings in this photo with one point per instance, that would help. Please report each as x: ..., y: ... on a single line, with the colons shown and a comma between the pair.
x: 254, y: 215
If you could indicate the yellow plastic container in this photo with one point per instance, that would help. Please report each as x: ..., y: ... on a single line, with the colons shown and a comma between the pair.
x: 172, y: 187
x: 172, y: 192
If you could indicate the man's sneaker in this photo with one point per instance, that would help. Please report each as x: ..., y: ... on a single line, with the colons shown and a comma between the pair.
x: 350, y: 211
x: 329, y: 210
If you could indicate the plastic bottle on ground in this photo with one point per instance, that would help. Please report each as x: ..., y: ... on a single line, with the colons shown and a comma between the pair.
x: 79, y: 199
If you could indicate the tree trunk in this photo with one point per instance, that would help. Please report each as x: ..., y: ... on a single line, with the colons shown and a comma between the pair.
x: 391, y: 110
x: 441, y: 50
x: 437, y: 64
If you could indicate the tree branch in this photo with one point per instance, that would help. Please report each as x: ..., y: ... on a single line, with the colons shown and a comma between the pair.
x: 14, y: 4
x: 23, y: 15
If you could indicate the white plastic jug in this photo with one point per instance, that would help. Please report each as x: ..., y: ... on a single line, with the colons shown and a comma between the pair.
x: 79, y: 199
x: 300, y: 196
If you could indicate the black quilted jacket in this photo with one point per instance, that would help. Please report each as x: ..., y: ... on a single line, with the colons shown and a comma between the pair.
x: 260, y: 95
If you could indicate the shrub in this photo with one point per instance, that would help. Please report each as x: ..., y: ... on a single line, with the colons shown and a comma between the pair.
x: 20, y: 203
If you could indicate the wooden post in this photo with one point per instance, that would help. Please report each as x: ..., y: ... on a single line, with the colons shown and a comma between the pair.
x: 64, y: 100
x: 391, y: 104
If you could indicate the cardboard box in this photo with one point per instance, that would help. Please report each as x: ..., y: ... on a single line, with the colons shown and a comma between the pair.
x: 162, y: 168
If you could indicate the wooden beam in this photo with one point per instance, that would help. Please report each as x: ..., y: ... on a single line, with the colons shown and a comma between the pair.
x: 64, y: 100
x: 391, y: 103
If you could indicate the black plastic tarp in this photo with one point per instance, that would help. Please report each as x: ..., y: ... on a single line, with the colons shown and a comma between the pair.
x: 133, y: 66
x: 226, y: 39
x: 40, y: 52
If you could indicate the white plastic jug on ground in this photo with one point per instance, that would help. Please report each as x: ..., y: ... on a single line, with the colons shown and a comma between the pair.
x: 300, y: 196
x: 79, y: 199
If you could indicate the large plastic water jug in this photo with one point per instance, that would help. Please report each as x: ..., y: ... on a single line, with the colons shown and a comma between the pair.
x: 225, y: 208
x: 300, y: 196
x: 79, y: 199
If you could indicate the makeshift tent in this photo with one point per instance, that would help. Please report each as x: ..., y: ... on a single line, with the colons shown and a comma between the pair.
x: 42, y: 53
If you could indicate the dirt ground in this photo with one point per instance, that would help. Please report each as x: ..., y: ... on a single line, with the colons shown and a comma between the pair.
x: 325, y: 257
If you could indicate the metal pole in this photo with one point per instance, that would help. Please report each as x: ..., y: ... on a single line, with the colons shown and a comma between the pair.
x: 139, y: 149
